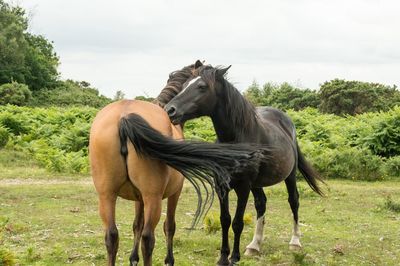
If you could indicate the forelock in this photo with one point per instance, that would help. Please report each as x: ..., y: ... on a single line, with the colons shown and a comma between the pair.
x: 207, y: 74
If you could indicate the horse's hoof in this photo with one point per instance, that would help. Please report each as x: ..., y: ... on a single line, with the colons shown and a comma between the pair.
x: 223, y: 262
x: 251, y: 252
x: 234, y: 262
x: 294, y: 247
x: 294, y: 243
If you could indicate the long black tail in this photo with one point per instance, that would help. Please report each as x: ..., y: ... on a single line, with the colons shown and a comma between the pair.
x: 309, y: 173
x: 202, y: 162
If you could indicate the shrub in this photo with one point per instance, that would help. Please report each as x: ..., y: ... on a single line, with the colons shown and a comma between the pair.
x: 283, y: 96
x: 212, y: 223
x: 6, y: 257
x: 392, y: 205
x: 57, y: 138
x: 4, y: 135
x: 31, y: 254
x: 200, y: 129
x: 355, y: 97
x: 343, y: 161
x: 70, y: 93
x: 385, y: 138
x: 247, y: 218
x: 14, y: 93
x: 74, y: 138
x: 13, y: 123
x: 392, y: 166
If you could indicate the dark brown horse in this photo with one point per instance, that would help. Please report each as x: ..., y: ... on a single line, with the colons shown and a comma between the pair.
x: 135, y: 154
x: 236, y: 121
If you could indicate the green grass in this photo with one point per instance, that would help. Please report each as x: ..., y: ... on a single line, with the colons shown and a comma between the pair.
x: 392, y: 205
x: 17, y: 164
x: 58, y: 223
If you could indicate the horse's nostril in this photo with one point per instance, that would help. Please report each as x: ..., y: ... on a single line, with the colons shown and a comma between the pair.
x: 171, y: 111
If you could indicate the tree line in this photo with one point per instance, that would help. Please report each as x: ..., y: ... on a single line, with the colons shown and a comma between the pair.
x: 338, y: 96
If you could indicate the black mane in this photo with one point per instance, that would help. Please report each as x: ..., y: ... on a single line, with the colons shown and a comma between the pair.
x: 174, y: 85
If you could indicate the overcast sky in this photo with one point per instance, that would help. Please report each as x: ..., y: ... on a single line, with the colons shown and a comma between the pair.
x: 133, y: 45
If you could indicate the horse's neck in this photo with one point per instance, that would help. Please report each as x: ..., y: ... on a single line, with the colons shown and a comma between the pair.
x: 223, y: 127
x: 229, y: 129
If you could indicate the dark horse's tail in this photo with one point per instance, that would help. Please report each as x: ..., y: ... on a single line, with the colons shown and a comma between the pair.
x: 210, y: 163
x: 309, y: 173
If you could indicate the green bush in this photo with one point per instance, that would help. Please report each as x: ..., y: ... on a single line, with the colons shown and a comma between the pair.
x: 14, y: 123
x: 355, y: 97
x: 333, y: 144
x: 4, y: 136
x: 57, y: 138
x: 6, y: 257
x: 14, y: 93
x: 283, y: 96
x: 385, y: 138
x: 392, y: 205
x: 344, y: 162
x: 70, y: 93
x: 200, y: 129
x: 392, y: 166
x: 212, y: 223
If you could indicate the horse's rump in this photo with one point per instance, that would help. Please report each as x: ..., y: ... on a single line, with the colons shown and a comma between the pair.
x: 110, y: 170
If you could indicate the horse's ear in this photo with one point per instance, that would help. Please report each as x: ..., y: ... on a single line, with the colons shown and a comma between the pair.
x: 222, y: 71
x: 198, y: 64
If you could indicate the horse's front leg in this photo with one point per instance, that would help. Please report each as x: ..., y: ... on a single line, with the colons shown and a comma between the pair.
x: 242, y: 191
x: 260, y: 202
x: 225, y: 219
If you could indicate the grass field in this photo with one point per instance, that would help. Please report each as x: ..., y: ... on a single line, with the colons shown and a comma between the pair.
x: 54, y: 221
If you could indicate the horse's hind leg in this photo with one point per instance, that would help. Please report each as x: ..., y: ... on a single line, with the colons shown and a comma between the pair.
x: 294, y: 205
x: 137, y: 231
x: 169, y: 227
x: 260, y: 202
x: 107, y: 214
x: 152, y: 213
x: 242, y: 191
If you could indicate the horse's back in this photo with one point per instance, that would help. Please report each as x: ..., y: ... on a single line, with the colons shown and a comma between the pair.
x: 110, y: 115
x: 110, y: 170
x: 278, y: 118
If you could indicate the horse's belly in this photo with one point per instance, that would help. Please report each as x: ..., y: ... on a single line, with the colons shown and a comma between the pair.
x: 272, y: 172
x: 174, y: 185
x: 267, y: 181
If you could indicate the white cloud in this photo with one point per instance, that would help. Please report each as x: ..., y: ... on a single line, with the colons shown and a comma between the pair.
x: 133, y: 45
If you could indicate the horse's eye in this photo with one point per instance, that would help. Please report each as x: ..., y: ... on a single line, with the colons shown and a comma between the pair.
x: 202, y: 88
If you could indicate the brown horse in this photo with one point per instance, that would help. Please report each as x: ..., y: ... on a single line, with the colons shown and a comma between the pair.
x: 135, y: 154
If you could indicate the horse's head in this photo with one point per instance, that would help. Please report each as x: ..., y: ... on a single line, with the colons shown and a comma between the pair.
x: 175, y: 82
x: 199, y: 95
